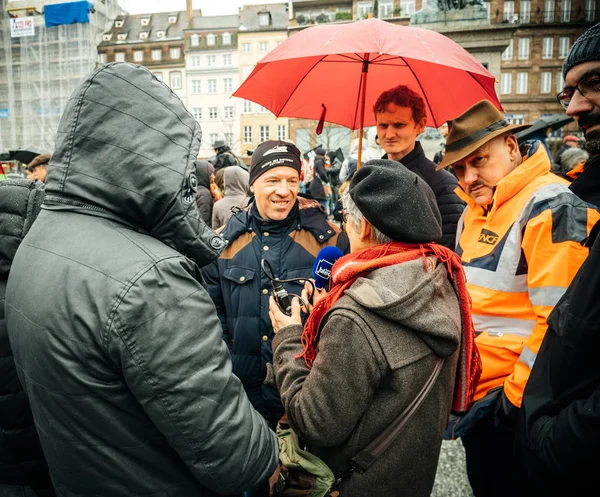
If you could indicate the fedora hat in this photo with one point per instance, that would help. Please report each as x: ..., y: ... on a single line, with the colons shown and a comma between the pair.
x: 474, y: 127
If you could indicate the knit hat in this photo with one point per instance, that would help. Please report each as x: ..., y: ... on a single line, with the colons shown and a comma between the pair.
x: 397, y: 202
x: 274, y: 153
x: 585, y: 49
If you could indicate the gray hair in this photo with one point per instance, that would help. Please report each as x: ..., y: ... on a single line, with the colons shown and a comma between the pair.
x: 356, y: 216
x: 571, y: 157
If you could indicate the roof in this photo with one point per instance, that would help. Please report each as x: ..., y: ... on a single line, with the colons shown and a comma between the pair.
x: 249, y: 17
x: 132, y: 26
x: 214, y: 22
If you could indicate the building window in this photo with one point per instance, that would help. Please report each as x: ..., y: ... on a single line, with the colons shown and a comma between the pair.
x: 247, y: 106
x: 549, y: 11
x: 120, y: 56
x: 563, y: 47
x: 227, y: 85
x: 145, y: 21
x: 385, y: 8
x: 506, y: 83
x: 565, y: 15
x: 119, y: 24
x: 525, y: 13
x: 160, y: 34
x: 196, y: 85
x: 560, y: 82
x: 212, y: 86
x: 264, y: 133
x: 227, y: 59
x: 122, y: 36
x: 364, y: 9
x: 196, y: 61
x: 515, y: 118
x: 102, y: 58
x: 212, y: 114
x: 590, y: 10
x: 509, y: 10
x: 156, y: 54
x: 262, y: 110
x: 213, y: 137
x: 247, y: 134
x: 226, y: 38
x: 246, y: 47
x: 172, y: 19
x: 547, y: 47
x: 195, y: 40
x: 175, y: 80
x: 197, y: 111
x: 229, y: 139
x: 229, y: 112
x: 175, y: 53
x: 138, y: 56
x: 158, y: 75
x: 508, y: 52
x: 263, y: 46
x: 264, y: 19
x: 210, y: 40
x: 143, y: 35
x: 522, y: 83
x: 407, y: 7
x: 546, y: 86
x: 281, y: 131
x: 523, y: 49
x: 211, y: 60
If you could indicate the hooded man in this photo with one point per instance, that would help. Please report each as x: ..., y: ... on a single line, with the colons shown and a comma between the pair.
x: 235, y: 181
x: 114, y: 335
x: 560, y: 415
x: 520, y: 244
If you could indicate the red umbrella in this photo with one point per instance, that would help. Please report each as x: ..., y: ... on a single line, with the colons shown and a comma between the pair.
x: 321, y: 73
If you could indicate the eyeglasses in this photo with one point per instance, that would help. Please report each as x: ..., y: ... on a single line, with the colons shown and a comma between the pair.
x: 588, y: 87
x: 344, y: 214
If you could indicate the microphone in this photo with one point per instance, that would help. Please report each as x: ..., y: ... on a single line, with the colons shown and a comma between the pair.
x: 321, y: 271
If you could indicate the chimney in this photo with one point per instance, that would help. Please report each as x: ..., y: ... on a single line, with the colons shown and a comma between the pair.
x: 188, y: 11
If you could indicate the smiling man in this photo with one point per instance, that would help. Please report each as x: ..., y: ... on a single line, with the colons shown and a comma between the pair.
x: 401, y: 117
x: 558, y: 426
x: 520, y: 244
x: 286, y: 230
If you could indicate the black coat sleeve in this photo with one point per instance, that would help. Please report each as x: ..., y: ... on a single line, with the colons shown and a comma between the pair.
x: 451, y: 208
x: 205, y: 202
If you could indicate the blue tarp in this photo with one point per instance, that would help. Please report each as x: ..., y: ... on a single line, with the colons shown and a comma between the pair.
x: 67, y: 13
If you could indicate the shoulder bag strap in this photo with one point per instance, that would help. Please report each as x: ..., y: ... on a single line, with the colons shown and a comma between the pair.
x: 363, y: 460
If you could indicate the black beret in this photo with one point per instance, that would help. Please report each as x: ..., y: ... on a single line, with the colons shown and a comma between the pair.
x: 397, y: 202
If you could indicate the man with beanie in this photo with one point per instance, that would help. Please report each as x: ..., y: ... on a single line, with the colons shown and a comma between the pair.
x: 520, y: 244
x: 560, y: 415
x: 397, y: 310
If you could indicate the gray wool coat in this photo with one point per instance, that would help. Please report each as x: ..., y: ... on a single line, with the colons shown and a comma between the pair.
x: 377, y: 348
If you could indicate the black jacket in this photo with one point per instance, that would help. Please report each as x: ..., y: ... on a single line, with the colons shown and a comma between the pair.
x: 204, y: 199
x: 559, y: 433
x: 21, y: 458
x: 317, y: 188
x: 443, y: 185
x: 116, y: 340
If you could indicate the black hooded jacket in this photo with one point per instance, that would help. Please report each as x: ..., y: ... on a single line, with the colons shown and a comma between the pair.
x: 204, y: 199
x: 115, y: 338
x: 21, y: 458
x: 559, y: 422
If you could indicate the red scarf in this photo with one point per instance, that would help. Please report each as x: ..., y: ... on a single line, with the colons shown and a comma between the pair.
x: 352, y: 266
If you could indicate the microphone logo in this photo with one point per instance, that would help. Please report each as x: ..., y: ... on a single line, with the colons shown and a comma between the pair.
x: 324, y: 269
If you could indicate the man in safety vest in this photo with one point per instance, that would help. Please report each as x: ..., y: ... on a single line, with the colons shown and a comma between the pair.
x: 520, y: 242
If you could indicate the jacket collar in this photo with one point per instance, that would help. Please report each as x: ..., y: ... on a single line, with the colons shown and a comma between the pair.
x: 411, y: 160
x: 531, y: 168
x: 587, y: 185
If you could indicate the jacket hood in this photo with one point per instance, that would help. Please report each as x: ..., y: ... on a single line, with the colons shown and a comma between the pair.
x: 125, y: 150
x: 422, y: 301
x: 20, y: 203
x: 236, y: 181
x: 203, y: 171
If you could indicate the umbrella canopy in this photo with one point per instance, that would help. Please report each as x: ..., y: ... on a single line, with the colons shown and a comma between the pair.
x: 26, y: 154
x: 543, y: 124
x: 335, y: 73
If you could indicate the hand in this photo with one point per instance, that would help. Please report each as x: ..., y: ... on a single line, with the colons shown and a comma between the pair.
x: 279, y: 319
x: 319, y: 294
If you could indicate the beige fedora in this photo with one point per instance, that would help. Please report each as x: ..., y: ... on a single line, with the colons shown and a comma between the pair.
x: 474, y: 127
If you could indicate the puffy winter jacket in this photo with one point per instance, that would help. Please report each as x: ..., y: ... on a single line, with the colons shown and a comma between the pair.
x: 21, y: 458
x: 116, y: 340
x: 443, y: 185
x: 241, y: 291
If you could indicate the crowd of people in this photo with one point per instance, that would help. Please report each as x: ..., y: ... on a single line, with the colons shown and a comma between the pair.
x: 154, y: 331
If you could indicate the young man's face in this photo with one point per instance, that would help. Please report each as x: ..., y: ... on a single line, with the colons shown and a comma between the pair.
x: 482, y: 170
x: 275, y: 192
x: 39, y: 172
x: 397, y: 131
x: 586, y: 109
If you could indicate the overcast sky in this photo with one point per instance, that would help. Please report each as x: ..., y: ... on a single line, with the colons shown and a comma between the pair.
x: 209, y: 7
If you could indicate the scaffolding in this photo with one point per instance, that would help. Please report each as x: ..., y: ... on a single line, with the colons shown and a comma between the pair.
x: 38, y: 73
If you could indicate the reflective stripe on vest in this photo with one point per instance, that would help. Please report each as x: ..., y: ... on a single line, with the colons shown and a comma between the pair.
x: 546, y: 295
x: 528, y: 357
x: 499, y: 325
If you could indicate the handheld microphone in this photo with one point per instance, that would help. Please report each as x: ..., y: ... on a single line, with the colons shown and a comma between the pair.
x: 325, y: 260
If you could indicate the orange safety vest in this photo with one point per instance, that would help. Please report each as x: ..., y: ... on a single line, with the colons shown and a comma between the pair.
x: 519, y: 258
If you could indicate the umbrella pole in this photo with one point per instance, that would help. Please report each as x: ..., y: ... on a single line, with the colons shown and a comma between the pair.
x: 363, y: 93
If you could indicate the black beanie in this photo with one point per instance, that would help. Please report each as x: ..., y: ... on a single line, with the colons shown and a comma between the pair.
x: 274, y: 153
x: 585, y: 49
x: 397, y: 202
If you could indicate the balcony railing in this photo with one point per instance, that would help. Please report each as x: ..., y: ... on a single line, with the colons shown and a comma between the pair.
x: 540, y: 16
